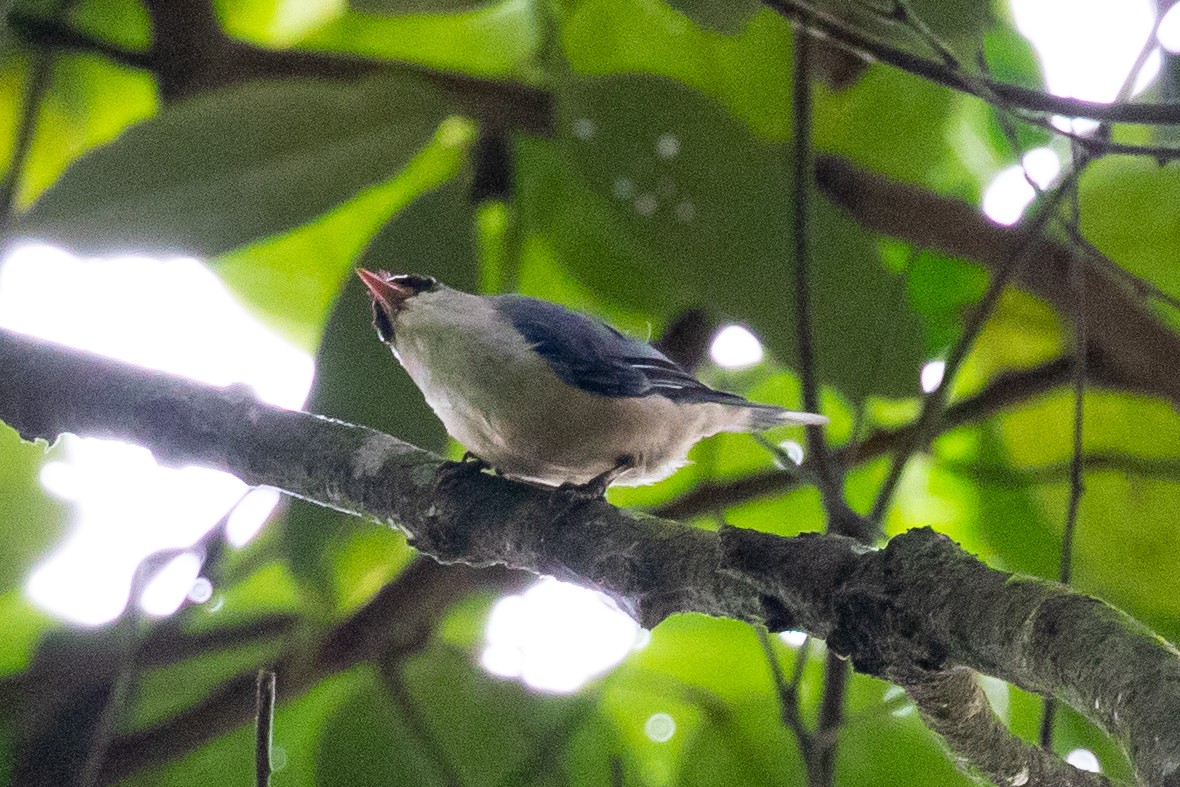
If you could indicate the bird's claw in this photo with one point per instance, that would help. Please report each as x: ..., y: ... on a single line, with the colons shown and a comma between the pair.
x: 471, y: 460
x: 450, y: 472
x: 595, y: 488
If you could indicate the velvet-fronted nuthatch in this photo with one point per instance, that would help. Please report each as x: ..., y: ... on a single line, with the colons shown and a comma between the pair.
x: 549, y: 395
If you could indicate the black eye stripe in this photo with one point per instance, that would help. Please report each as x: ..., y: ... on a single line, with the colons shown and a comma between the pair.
x: 382, y: 323
x: 415, y: 282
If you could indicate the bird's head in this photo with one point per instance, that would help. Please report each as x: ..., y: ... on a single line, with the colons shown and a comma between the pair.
x: 391, y: 293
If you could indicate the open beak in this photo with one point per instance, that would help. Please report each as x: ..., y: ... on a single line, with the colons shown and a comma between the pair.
x: 386, y: 293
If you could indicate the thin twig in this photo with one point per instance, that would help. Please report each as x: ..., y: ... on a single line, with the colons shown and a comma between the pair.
x: 1078, y: 287
x: 802, y: 172
x: 53, y: 34
x: 1124, y: 464
x: 1141, y: 286
x: 1106, y: 128
x: 820, y: 758
x: 935, y: 402
x: 1003, y: 391
x: 831, y: 718
x: 1138, y: 352
x: 788, y: 694
x: 419, y: 726
x: 103, y: 734
x: 901, y: 14
x: 1076, y: 465
x: 264, y: 710
x: 1015, y: 96
x: 801, y: 175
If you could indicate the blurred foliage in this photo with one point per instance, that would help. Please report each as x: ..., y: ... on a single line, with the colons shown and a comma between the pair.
x: 664, y: 186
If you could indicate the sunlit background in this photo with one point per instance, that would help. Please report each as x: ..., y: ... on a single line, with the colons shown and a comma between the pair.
x: 175, y: 315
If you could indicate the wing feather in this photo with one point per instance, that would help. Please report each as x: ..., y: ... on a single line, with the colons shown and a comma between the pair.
x: 589, y: 354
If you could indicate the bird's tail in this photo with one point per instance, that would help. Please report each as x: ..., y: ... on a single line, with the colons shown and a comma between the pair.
x: 760, y: 417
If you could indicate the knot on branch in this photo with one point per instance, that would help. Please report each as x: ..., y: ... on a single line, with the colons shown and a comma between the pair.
x: 885, y: 622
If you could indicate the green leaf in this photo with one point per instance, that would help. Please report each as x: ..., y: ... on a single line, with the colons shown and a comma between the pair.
x: 275, y: 23
x: 722, y: 701
x: 30, y: 520
x: 293, y: 280
x: 91, y: 102
x: 954, y: 20
x: 368, y: 742
x: 727, y: 18
x: 496, y: 39
x: 1128, y: 208
x: 24, y: 628
x: 1125, y: 521
x: 658, y: 201
x: 166, y: 691
x: 887, y: 743
x: 1011, y: 58
x: 890, y: 122
x: 124, y: 23
x: 224, y: 168
x: 522, y: 736
x: 748, y: 74
x: 268, y: 590
x: 393, y: 7
x: 942, y: 289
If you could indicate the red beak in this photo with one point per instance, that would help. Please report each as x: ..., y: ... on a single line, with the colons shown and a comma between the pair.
x: 388, y: 294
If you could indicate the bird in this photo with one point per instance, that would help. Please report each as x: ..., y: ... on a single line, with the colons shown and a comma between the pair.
x: 551, y: 396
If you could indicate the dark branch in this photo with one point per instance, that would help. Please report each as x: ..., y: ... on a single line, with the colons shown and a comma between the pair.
x: 50, y: 34
x: 934, y: 404
x: 191, y: 54
x: 955, y: 707
x: 788, y: 694
x: 920, y: 605
x: 1138, y: 351
x: 1125, y: 464
x: 264, y: 719
x: 397, y: 623
x: 38, y: 85
x: 1013, y: 96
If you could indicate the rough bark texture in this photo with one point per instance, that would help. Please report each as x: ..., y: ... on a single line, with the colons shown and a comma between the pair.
x: 918, y: 609
x: 954, y: 706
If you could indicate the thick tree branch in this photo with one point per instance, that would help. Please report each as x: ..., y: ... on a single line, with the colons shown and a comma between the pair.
x: 954, y: 705
x: 917, y: 607
x: 1139, y: 351
x: 191, y: 54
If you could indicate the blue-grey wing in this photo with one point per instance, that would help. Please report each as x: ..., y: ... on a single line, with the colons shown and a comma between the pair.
x: 591, y: 355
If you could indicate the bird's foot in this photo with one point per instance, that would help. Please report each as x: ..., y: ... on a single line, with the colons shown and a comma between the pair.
x: 594, y: 489
x: 450, y: 472
x: 470, y: 460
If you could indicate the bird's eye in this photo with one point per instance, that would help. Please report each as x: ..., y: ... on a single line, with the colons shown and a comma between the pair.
x: 416, y: 282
